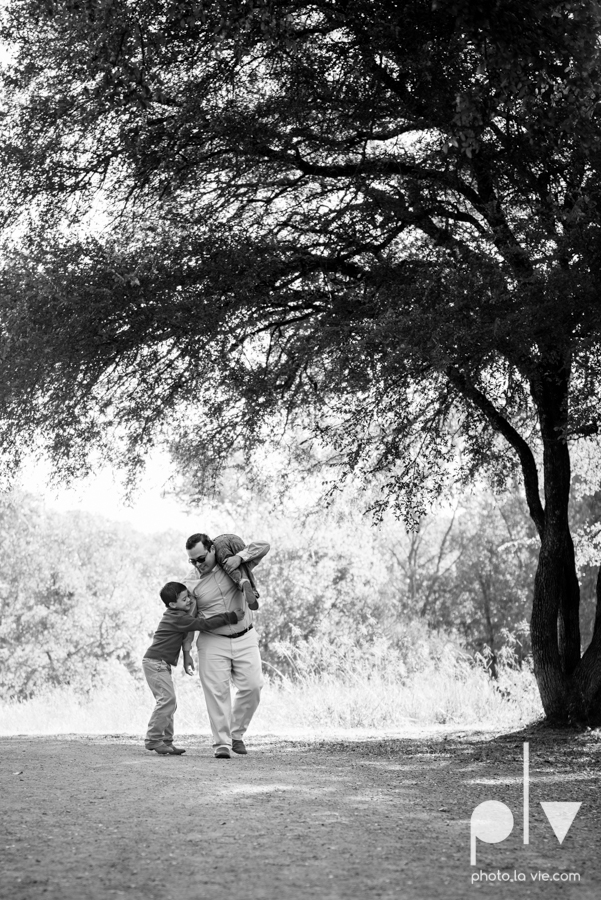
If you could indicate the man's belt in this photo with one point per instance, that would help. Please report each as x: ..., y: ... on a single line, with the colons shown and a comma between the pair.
x: 238, y: 633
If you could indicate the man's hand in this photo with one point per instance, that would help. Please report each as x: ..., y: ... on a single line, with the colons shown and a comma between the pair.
x: 239, y: 614
x: 188, y: 663
x: 231, y: 563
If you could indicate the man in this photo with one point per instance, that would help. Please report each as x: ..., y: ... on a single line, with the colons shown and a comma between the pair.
x: 233, y: 651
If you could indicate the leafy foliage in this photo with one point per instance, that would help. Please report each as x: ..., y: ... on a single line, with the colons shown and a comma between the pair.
x: 78, y: 591
x: 75, y: 593
x: 377, y: 217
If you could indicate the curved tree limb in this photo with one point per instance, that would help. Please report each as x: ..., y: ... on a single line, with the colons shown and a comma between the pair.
x: 499, y: 423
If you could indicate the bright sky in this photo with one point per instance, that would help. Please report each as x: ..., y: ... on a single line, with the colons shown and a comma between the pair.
x: 102, y: 494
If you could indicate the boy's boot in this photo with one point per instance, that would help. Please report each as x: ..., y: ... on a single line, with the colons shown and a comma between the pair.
x: 166, y: 750
x: 251, y: 597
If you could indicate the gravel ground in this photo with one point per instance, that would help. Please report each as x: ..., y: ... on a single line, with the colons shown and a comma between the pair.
x: 99, y: 817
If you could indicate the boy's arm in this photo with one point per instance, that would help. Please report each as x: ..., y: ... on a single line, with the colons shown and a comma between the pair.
x: 187, y: 645
x: 195, y: 623
x: 230, y: 618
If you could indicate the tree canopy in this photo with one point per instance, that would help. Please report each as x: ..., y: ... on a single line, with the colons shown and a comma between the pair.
x: 379, y: 218
x: 379, y: 215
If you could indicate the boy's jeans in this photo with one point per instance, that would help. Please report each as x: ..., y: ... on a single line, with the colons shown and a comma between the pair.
x: 160, y: 682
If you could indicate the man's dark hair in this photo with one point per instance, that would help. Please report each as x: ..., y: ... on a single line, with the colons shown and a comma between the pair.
x: 170, y: 591
x: 195, y: 539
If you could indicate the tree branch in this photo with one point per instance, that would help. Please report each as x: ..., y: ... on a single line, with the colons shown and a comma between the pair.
x: 503, y: 237
x: 499, y: 423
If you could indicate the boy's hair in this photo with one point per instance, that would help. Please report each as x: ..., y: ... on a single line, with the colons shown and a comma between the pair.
x: 171, y: 590
x: 195, y: 539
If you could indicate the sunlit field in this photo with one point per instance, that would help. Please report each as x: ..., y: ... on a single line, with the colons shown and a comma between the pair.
x: 344, y: 646
x: 374, y: 694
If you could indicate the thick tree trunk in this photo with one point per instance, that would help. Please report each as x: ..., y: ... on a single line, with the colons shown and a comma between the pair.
x: 555, y: 625
x: 586, y: 683
x: 570, y: 687
x: 549, y: 668
x: 569, y: 611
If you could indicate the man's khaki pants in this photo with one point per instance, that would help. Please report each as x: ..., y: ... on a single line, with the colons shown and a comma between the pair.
x: 160, y: 682
x: 221, y: 659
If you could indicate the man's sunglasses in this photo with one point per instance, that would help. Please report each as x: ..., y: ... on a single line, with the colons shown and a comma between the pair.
x: 197, y: 560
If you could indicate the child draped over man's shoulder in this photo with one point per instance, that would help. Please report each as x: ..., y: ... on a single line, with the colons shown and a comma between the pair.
x: 164, y: 652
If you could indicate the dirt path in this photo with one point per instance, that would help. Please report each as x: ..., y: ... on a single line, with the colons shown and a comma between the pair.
x: 98, y: 817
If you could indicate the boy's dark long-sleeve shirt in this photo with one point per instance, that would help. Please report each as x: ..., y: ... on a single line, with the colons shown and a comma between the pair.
x: 173, y: 627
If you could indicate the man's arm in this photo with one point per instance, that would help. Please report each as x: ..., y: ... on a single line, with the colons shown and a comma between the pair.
x: 254, y: 552
x: 251, y: 554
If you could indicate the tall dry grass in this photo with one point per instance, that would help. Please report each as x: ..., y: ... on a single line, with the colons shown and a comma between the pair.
x: 320, y: 688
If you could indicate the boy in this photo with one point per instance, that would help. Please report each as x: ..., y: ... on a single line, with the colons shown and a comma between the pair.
x: 164, y: 653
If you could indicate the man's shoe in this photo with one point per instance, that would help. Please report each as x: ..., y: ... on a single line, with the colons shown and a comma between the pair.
x: 238, y: 747
x: 166, y: 750
x: 222, y: 753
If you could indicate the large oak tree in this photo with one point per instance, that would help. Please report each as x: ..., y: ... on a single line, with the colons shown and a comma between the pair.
x: 379, y: 218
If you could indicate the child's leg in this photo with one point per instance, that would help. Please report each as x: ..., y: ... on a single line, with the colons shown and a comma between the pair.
x: 240, y: 578
x: 168, y: 737
x: 236, y: 575
x: 160, y: 682
x: 251, y: 597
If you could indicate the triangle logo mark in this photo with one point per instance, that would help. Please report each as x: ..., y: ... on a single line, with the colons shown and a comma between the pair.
x: 561, y: 816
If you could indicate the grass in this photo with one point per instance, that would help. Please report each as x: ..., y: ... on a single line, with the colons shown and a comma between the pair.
x: 358, y: 691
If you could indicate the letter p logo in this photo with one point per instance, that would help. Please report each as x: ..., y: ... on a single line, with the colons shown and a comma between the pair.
x: 492, y: 822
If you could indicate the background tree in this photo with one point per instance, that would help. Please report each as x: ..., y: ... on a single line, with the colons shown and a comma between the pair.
x: 79, y: 592
x: 76, y: 592
x: 488, y: 598
x: 379, y: 217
